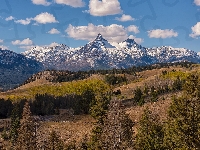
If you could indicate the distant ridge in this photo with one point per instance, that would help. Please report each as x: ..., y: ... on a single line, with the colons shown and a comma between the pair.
x: 16, y: 68
x: 100, y: 54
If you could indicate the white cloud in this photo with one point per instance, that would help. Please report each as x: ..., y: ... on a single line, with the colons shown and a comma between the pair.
x: 104, y: 7
x: 41, y: 2
x: 27, y: 47
x: 53, y: 31
x: 125, y: 18
x: 9, y: 18
x: 44, y: 18
x: 113, y: 32
x: 195, y: 30
x: 73, y: 3
x: 197, y: 2
x: 1, y: 41
x: 3, y: 47
x: 53, y: 44
x: 133, y: 28
x: 137, y: 40
x: 158, y: 33
x: 26, y: 41
x: 24, y: 22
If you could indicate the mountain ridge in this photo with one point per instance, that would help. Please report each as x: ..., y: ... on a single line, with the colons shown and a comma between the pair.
x: 100, y: 54
x: 16, y: 68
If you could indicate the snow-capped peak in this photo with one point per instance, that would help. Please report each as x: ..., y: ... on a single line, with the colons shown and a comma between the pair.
x: 100, y: 41
x: 100, y: 54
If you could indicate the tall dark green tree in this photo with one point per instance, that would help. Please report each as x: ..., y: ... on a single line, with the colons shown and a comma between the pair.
x: 138, y: 97
x: 150, y: 132
x: 27, y: 132
x: 98, y: 110
x: 183, y: 127
x: 15, y: 124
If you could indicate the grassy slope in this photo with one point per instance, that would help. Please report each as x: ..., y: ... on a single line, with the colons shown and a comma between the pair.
x: 79, y: 126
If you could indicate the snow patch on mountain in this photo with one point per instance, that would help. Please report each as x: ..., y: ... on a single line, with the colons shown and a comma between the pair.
x: 100, y: 54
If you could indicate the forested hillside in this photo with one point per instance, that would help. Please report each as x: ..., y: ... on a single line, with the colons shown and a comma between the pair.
x: 153, y: 107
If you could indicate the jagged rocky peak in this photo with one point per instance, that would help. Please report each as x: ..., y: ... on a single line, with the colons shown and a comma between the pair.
x: 99, y: 37
x: 129, y: 43
x: 99, y: 54
x: 100, y: 41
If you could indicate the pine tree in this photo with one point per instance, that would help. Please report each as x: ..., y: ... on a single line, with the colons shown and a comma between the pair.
x: 98, y: 110
x: 139, y: 97
x: 15, y: 124
x: 150, y: 132
x: 27, y: 132
x: 183, y: 127
x: 117, y: 130
x: 54, y: 142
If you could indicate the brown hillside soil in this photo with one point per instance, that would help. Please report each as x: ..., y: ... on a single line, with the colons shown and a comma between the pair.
x: 159, y: 108
x: 70, y: 131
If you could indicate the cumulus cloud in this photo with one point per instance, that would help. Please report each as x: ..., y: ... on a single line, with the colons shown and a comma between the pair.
x: 72, y: 3
x: 53, y: 31
x: 104, y: 7
x: 158, y: 33
x: 113, y: 32
x: 41, y: 2
x: 9, y: 18
x: 137, y: 40
x: 133, y: 28
x: 24, y: 22
x: 1, y: 41
x: 124, y: 18
x: 53, y: 44
x: 27, y: 47
x: 26, y: 41
x: 195, y: 30
x: 197, y: 2
x: 44, y: 18
x: 3, y: 47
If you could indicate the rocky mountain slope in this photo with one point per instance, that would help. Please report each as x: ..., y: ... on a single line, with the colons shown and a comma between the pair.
x: 100, y: 54
x: 16, y: 68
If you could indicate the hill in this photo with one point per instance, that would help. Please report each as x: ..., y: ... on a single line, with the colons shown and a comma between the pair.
x: 15, y: 69
x: 153, y: 87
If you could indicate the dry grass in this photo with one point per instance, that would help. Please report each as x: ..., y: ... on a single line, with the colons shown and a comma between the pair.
x: 159, y: 108
x: 70, y: 131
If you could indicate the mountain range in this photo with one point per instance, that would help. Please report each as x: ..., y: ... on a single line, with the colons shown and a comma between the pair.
x: 100, y: 54
x: 16, y: 68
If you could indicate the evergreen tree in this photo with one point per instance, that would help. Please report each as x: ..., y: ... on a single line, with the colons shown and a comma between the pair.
x: 150, y: 132
x: 138, y: 97
x: 27, y: 132
x: 98, y: 110
x: 183, y: 127
x: 15, y: 124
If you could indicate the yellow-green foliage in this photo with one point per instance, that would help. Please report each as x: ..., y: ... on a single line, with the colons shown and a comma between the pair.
x: 74, y: 87
x: 174, y: 74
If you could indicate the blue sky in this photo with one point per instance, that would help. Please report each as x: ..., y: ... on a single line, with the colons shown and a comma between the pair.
x: 28, y: 23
